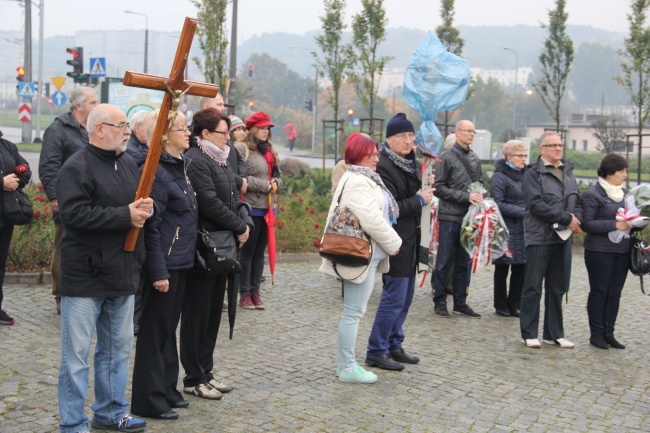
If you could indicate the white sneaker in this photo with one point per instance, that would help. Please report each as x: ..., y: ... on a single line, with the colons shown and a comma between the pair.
x: 203, y: 390
x: 532, y: 342
x: 562, y: 342
x: 220, y: 386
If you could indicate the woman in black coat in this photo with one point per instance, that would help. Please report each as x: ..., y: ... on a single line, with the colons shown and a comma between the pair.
x: 170, y: 240
x: 12, y: 179
x: 607, y: 262
x: 505, y: 189
x: 219, y: 209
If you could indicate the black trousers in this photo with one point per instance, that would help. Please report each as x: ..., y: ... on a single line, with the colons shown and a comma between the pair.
x: 155, y: 370
x: 5, y: 241
x: 505, y: 300
x: 607, y: 274
x: 200, y: 326
x: 543, y: 263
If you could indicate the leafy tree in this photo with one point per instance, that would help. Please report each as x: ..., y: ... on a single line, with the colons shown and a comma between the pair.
x: 609, y: 135
x: 211, y: 29
x: 556, y: 59
x: 636, y: 63
x: 333, y: 62
x: 488, y: 108
x: 446, y: 32
x: 369, y: 30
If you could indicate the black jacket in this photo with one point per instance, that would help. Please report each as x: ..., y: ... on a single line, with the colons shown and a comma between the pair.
x: 94, y: 189
x: 216, y: 194
x: 403, y: 186
x: 170, y: 238
x: 237, y: 165
x: 134, y: 147
x: 505, y: 189
x: 548, y: 201
x: 452, y: 180
x: 9, y: 160
x: 63, y: 138
x: 598, y: 219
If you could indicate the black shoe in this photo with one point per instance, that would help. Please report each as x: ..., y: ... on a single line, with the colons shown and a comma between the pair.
x: 515, y: 312
x: 441, y: 310
x: 180, y: 404
x: 58, y: 307
x: 5, y: 319
x: 400, y: 356
x: 383, y: 361
x: 613, y: 342
x: 167, y: 416
x: 598, y: 340
x: 503, y: 313
x: 465, y: 310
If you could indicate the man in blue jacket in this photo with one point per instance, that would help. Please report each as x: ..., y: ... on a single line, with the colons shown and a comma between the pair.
x: 95, y: 191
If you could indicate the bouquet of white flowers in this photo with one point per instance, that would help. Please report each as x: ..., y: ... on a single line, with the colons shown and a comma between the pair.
x: 631, y: 212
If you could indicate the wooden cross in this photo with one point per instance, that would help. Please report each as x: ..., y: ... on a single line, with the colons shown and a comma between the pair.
x: 174, y: 87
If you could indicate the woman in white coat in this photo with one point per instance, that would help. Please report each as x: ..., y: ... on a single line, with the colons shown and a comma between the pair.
x: 365, y: 195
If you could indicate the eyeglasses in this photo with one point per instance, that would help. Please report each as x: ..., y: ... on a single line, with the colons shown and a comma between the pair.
x: 373, y: 155
x: 121, y: 125
x: 469, y: 131
x: 185, y: 129
x: 405, y: 136
x: 520, y: 156
x: 554, y: 145
x: 226, y: 134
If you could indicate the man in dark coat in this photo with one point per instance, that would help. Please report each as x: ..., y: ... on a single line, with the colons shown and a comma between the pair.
x: 401, y: 174
x: 64, y: 137
x: 551, y: 196
x: 95, y: 189
x: 457, y: 169
x: 137, y: 144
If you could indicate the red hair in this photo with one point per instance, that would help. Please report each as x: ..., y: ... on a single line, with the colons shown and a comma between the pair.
x: 359, y: 146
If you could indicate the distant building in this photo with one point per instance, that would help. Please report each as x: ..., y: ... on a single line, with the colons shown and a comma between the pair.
x: 505, y: 77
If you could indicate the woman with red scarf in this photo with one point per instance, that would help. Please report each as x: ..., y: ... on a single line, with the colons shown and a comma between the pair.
x: 263, y: 168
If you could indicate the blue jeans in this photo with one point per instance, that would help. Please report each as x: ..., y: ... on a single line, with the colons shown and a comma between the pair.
x: 113, y: 319
x: 355, y: 301
x: 450, y: 251
x: 387, y: 333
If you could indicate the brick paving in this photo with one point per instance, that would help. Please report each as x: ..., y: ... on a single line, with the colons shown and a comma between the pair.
x: 474, y: 375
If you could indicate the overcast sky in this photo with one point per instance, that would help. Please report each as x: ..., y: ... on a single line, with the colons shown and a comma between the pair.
x: 64, y: 17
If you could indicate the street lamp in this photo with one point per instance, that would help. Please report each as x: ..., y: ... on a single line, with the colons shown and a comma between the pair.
x: 146, y: 36
x: 514, y: 97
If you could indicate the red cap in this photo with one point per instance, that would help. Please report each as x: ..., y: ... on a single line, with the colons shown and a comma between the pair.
x: 259, y: 120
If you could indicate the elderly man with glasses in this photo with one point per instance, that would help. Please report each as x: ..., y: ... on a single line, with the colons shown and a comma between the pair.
x: 457, y: 169
x: 552, y: 203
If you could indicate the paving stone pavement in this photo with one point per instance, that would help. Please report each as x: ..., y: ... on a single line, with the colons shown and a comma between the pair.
x: 474, y: 375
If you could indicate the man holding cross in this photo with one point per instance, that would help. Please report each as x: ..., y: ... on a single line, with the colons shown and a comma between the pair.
x: 96, y: 189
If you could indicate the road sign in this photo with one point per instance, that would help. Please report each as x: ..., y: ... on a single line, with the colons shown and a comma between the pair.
x: 59, y: 98
x: 25, y: 112
x: 98, y: 66
x: 58, y: 82
x: 26, y: 90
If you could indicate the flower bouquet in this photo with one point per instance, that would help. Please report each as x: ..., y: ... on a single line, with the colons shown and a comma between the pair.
x: 635, y: 200
x: 434, y: 231
x: 483, y: 234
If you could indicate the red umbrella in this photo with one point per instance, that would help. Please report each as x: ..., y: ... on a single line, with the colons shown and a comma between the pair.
x: 269, y: 218
x: 287, y: 126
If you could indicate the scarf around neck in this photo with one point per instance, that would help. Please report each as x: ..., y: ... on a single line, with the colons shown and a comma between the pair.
x: 393, y: 209
x: 615, y: 192
x: 407, y: 165
x: 264, y: 147
x: 213, y: 152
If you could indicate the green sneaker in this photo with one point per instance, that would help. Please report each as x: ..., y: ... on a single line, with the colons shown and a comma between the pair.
x: 358, y: 375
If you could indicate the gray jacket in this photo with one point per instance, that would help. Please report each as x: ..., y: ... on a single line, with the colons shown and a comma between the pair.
x: 452, y: 180
x: 548, y: 201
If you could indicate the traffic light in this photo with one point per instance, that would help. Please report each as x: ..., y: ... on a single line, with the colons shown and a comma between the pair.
x: 77, y: 63
x: 251, y: 69
x: 309, y: 105
x: 47, y: 90
x: 21, y: 74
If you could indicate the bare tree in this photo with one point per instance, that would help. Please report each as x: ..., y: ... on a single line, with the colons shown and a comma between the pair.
x: 608, y: 134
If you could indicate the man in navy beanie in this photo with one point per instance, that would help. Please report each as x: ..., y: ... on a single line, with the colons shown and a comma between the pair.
x: 401, y: 174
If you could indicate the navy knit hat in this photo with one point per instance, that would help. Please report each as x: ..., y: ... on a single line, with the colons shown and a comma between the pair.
x: 398, y: 123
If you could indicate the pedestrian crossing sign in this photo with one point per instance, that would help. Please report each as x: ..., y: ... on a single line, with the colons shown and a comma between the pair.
x: 98, y: 66
x: 26, y: 90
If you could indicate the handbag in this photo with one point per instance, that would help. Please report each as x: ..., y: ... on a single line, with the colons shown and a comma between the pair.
x: 17, y: 209
x: 216, y: 253
x: 344, y: 242
x: 639, y: 257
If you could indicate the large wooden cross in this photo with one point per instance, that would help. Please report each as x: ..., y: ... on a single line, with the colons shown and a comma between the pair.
x: 174, y: 87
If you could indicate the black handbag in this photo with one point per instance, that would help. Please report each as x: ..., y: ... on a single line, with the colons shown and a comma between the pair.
x: 17, y: 209
x: 639, y: 257
x: 216, y: 253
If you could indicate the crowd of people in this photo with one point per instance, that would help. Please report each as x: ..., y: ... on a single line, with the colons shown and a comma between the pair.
x: 222, y: 173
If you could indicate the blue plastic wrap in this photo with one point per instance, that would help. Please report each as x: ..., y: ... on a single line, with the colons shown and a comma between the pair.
x: 435, y: 81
